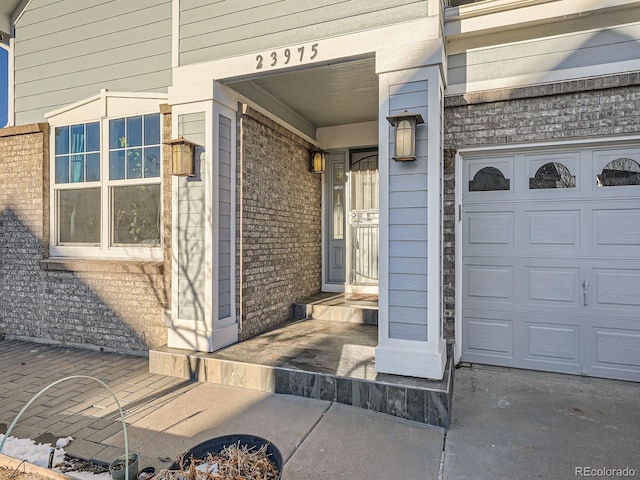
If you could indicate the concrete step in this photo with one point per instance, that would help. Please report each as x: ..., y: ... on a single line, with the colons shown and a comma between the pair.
x: 338, y: 309
x: 419, y: 400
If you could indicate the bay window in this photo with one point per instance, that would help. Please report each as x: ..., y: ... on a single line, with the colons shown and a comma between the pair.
x: 106, y: 188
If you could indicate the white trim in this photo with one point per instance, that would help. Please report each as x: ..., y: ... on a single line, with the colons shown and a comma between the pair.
x: 383, y: 232
x: 174, y: 237
x: 326, y: 287
x: 354, y: 135
x: 95, y: 109
x: 487, y: 8
x: 457, y: 353
x: 553, y: 144
x: 175, y: 33
x: 412, y: 359
x: 18, y: 12
x: 355, y: 45
x: 544, y: 77
x: 434, y: 211
x: 106, y: 104
x: 504, y: 15
x: 210, y: 180
x: 228, y: 327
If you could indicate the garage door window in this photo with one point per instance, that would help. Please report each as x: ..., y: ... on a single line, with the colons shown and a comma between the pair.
x: 489, y: 179
x: 621, y: 171
x: 552, y: 175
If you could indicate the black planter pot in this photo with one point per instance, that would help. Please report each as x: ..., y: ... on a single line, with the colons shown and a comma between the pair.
x: 216, y: 445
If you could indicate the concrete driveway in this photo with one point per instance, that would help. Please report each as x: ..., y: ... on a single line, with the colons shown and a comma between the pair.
x: 519, y: 424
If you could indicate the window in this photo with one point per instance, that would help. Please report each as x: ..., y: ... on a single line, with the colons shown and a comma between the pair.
x: 621, y: 171
x: 107, y: 187
x: 489, y: 179
x: 552, y: 175
x: 4, y: 85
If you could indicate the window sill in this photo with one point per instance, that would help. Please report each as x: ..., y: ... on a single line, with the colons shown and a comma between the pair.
x: 139, y: 267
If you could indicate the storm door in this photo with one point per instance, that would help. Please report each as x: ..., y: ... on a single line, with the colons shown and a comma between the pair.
x: 363, y: 217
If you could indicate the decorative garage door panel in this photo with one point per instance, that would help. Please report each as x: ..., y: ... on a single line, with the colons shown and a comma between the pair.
x: 551, y: 261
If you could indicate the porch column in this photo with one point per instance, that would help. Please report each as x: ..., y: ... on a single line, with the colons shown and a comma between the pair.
x: 410, y: 336
x: 203, y: 316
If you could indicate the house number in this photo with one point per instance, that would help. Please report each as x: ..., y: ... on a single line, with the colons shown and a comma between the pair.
x: 286, y: 56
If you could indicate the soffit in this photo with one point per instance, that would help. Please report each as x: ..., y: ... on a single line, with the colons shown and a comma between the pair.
x: 337, y: 94
x: 7, y: 8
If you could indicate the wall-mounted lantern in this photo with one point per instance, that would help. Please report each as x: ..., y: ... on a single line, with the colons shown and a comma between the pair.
x: 405, y: 135
x: 317, y: 159
x: 183, y: 157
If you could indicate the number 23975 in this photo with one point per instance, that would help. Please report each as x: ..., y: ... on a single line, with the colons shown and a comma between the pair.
x: 286, y: 57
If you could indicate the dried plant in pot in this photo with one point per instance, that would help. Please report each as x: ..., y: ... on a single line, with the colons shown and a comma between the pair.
x: 117, y: 468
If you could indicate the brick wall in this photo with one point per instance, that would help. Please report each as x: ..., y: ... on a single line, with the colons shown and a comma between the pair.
x: 596, y: 107
x: 448, y: 245
x: 107, y: 304
x: 577, y: 109
x: 281, y: 223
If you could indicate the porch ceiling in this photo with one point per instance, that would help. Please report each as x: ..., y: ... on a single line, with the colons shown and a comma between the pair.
x: 335, y: 94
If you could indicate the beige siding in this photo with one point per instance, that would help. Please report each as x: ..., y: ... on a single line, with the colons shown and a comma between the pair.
x: 224, y: 217
x: 191, y: 227
x: 210, y: 30
x: 67, y: 51
x: 543, y: 55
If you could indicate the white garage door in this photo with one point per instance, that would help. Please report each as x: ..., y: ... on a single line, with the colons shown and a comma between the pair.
x: 551, y: 261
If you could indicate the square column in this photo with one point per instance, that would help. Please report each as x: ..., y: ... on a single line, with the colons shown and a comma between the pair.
x: 410, y: 336
x: 203, y: 232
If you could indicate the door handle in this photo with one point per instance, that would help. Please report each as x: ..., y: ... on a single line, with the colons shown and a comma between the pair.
x: 585, y: 287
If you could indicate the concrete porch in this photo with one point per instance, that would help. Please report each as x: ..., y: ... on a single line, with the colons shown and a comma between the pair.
x: 317, y: 358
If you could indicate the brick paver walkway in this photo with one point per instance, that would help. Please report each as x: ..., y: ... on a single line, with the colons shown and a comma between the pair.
x: 81, y: 408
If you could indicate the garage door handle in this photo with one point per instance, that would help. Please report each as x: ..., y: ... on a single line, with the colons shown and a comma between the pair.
x: 585, y: 287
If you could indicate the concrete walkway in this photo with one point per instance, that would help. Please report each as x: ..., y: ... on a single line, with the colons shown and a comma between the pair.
x: 506, y: 424
x: 165, y: 416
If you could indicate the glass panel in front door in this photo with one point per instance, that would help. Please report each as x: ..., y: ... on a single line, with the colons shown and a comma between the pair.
x: 363, y: 217
x: 336, y: 196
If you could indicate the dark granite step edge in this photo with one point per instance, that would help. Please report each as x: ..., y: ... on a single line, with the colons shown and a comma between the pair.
x: 421, y: 404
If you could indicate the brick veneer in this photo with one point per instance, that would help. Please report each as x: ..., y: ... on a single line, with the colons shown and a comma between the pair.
x: 580, y: 109
x: 113, y: 305
x: 281, y: 223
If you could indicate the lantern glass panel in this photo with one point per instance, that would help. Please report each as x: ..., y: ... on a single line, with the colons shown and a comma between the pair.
x: 318, y: 162
x: 182, y: 159
x: 404, y: 139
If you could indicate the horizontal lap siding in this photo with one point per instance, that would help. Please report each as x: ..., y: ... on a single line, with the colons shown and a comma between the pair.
x: 67, y: 51
x: 191, y: 227
x: 545, y: 55
x: 408, y: 225
x: 224, y: 218
x: 212, y: 30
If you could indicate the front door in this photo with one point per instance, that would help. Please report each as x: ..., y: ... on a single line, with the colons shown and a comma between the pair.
x: 351, y: 221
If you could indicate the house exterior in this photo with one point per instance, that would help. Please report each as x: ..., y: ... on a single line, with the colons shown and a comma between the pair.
x: 513, y: 236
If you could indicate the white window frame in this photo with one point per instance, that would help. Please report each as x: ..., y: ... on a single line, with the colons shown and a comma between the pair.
x: 102, y: 108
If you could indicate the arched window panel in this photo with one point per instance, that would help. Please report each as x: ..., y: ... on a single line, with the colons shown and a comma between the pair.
x: 552, y: 175
x: 621, y: 171
x: 489, y: 179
